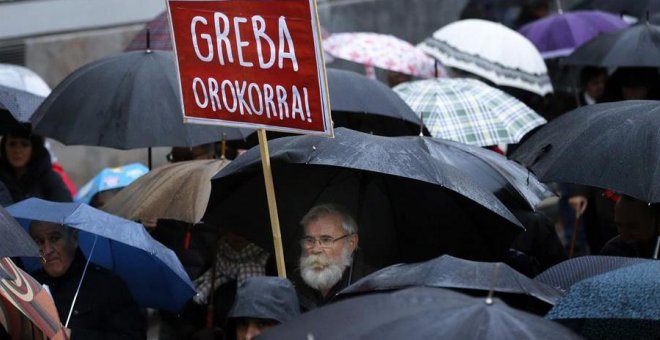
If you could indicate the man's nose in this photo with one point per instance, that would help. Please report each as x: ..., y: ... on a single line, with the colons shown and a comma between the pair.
x: 46, y: 248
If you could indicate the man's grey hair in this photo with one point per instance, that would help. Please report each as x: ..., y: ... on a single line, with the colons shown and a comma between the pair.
x: 347, y: 221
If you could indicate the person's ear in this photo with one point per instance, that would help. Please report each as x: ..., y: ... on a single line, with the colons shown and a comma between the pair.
x: 353, y: 241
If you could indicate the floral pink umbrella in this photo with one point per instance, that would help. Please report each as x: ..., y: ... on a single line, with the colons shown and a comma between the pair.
x: 380, y: 50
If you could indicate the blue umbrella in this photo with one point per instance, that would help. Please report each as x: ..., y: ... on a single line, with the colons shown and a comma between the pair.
x: 110, y: 178
x: 152, y: 272
x: 14, y: 240
x: 623, y: 303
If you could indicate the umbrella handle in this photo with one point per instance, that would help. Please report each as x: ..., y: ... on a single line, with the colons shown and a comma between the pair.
x: 657, y: 247
x: 75, y: 296
x: 576, y: 226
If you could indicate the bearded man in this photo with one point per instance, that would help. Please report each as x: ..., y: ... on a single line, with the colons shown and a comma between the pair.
x: 327, y: 261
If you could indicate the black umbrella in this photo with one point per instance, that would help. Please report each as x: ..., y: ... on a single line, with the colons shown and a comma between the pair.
x: 635, y: 46
x: 563, y: 275
x: 418, y: 313
x: 16, y: 108
x: 637, y: 8
x: 612, y: 146
x: 510, y: 182
x: 14, y: 241
x: 409, y: 206
x: 451, y: 272
x: 366, y: 105
x: 126, y: 101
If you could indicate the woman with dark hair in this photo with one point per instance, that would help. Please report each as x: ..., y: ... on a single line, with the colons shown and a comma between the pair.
x: 26, y: 170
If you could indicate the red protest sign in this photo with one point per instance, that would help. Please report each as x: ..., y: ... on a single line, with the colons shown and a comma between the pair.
x: 251, y: 63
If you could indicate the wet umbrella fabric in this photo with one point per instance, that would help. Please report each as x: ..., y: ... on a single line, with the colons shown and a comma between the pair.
x: 409, y: 206
x: 418, y: 313
x: 614, y: 49
x: 16, y: 108
x: 15, y: 241
x: 622, y: 303
x: 637, y: 8
x: 511, y: 183
x: 469, y: 111
x: 565, y: 274
x: 491, y: 51
x: 151, y: 271
x: 559, y: 34
x: 366, y: 105
x: 611, y: 146
x: 126, y: 101
x: 450, y: 272
x: 178, y: 191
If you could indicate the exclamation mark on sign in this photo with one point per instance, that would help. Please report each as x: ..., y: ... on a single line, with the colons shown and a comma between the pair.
x: 309, y: 114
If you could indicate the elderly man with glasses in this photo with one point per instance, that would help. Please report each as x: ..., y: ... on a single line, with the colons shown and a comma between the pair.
x: 327, y: 260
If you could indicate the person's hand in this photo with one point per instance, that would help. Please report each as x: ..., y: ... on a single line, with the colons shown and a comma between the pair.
x: 150, y: 224
x: 578, y: 203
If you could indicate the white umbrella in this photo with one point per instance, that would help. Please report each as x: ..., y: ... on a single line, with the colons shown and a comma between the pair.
x: 492, y: 51
x: 24, y: 79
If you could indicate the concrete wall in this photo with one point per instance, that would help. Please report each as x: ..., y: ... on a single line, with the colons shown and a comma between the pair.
x: 55, y: 56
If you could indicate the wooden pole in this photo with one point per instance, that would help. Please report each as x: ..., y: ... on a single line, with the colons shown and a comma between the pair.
x: 272, y: 204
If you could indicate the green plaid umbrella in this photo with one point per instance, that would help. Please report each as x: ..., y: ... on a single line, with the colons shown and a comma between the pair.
x: 469, y: 111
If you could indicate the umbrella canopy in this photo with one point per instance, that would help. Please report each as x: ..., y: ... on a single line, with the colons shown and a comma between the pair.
x: 110, y: 178
x: 30, y: 297
x: 559, y: 34
x: 16, y: 108
x: 469, y: 111
x: 151, y: 271
x: 409, y: 206
x: 14, y: 241
x: 380, y: 50
x: 366, y: 105
x: 614, y: 49
x: 565, y: 274
x: 126, y: 101
x: 178, y: 191
x: 637, y: 8
x: 418, y: 313
x: 450, y: 272
x: 24, y: 79
x: 612, y: 146
x: 492, y: 51
x: 511, y: 183
x: 622, y: 303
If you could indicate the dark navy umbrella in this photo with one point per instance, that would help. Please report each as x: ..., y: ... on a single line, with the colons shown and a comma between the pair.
x: 126, y: 101
x: 635, y: 46
x: 152, y: 272
x: 409, y: 205
x: 450, y: 272
x: 418, y: 313
x: 563, y: 275
x: 14, y: 241
x: 621, y: 304
x: 611, y: 146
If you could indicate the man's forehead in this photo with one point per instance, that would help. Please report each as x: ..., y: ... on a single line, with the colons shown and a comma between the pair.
x: 45, y: 227
x: 324, y: 225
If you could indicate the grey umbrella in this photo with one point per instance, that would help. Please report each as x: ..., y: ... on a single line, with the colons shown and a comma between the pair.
x: 418, y: 313
x: 16, y: 107
x: 450, y: 272
x: 126, y: 101
x: 14, y: 241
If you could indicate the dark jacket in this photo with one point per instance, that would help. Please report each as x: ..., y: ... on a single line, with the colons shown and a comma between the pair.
x: 104, y: 308
x: 39, y: 181
x: 311, y: 298
x: 539, y: 243
x: 617, y: 247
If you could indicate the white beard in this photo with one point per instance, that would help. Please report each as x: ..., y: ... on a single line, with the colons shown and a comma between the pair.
x: 320, y: 273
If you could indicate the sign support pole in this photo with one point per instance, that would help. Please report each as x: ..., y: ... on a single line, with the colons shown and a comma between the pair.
x: 272, y: 204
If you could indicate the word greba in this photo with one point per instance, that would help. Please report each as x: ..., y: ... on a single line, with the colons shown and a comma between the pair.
x: 226, y: 46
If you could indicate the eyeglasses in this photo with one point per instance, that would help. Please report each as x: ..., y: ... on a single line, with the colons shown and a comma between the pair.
x: 309, y: 242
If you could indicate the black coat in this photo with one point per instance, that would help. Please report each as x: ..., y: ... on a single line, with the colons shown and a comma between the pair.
x: 104, y: 308
x: 39, y: 180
